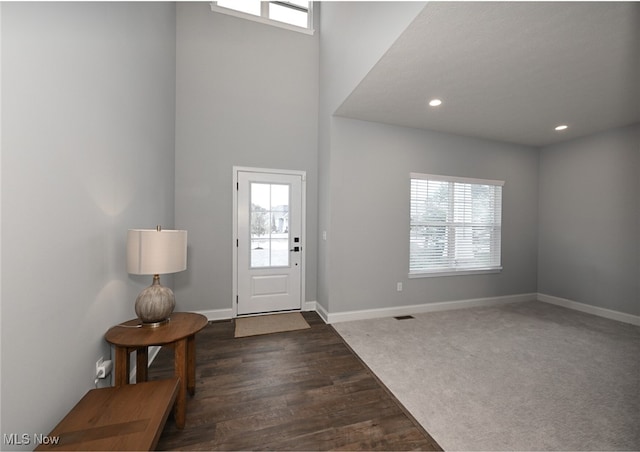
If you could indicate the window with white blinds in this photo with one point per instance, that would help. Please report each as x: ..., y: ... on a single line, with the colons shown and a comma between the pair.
x: 455, y: 225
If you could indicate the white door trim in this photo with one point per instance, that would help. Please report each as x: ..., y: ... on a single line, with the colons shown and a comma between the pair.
x: 234, y: 241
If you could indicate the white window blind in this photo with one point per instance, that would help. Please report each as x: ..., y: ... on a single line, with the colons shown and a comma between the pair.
x: 455, y: 225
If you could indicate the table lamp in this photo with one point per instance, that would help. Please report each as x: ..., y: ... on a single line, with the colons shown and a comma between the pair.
x: 156, y: 252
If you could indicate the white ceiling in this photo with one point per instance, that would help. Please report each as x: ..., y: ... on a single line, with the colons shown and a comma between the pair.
x: 509, y: 71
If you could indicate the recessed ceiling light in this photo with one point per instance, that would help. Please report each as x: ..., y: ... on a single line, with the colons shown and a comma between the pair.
x: 562, y: 127
x: 435, y: 102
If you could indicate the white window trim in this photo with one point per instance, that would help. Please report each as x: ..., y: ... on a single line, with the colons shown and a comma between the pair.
x: 463, y: 180
x: 265, y: 20
x: 449, y: 271
x: 437, y: 274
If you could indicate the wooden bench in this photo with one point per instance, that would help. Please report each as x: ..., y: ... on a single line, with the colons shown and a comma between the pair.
x: 129, y: 417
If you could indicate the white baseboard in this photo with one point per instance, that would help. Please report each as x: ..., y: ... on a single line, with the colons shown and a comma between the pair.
x: 216, y: 314
x: 153, y: 352
x: 322, y: 312
x: 422, y: 308
x: 589, y: 309
x: 226, y: 314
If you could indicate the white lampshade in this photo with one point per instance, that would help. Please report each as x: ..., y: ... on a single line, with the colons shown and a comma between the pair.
x: 153, y: 252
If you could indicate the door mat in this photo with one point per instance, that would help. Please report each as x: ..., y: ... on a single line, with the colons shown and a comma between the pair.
x: 266, y: 324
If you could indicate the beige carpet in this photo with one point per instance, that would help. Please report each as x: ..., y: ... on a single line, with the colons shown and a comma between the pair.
x: 273, y: 323
x: 525, y: 376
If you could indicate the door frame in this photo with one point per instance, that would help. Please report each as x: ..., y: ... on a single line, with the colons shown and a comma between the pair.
x: 235, y: 238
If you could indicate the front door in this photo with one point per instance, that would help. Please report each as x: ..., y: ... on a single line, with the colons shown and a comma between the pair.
x: 269, y: 241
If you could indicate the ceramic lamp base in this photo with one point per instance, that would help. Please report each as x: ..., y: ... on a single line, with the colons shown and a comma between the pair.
x: 155, y: 304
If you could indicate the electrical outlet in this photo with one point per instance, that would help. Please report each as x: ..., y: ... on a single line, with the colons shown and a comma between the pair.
x: 103, y: 368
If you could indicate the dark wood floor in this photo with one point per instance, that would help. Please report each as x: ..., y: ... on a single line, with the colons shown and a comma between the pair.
x: 300, y: 390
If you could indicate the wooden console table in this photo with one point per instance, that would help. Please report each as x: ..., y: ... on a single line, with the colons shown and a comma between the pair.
x: 179, y: 333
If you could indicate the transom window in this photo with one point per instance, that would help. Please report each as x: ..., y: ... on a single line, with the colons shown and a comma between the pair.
x: 455, y: 225
x: 294, y: 14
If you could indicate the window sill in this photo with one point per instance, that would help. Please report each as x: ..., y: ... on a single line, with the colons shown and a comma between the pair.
x: 261, y: 20
x: 455, y: 273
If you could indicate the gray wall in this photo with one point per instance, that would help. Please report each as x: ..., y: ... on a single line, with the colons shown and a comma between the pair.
x: 364, y: 177
x: 87, y: 152
x: 370, y: 247
x: 353, y: 37
x: 589, y: 229
x: 246, y: 95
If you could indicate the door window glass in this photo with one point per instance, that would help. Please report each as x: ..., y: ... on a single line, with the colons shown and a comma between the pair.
x: 269, y: 225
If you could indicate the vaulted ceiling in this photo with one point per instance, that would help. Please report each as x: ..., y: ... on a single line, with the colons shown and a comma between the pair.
x: 509, y: 71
